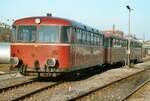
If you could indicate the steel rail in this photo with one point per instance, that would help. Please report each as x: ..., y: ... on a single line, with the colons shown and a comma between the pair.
x: 135, y: 90
x: 107, y: 85
x: 35, y: 91
x: 17, y: 85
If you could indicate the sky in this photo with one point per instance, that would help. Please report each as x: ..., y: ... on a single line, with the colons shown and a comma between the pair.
x: 100, y: 14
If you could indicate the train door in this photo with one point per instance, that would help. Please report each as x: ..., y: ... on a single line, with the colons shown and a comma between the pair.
x: 107, y: 43
x: 110, y: 45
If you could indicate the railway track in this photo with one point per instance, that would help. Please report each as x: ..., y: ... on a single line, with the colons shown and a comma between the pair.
x: 71, y: 91
x: 3, y: 89
x: 4, y: 84
x: 104, y: 93
x: 133, y: 95
x: 76, y: 90
x: 25, y: 89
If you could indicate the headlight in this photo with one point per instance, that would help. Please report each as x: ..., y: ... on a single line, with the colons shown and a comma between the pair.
x: 14, y: 61
x: 51, y: 62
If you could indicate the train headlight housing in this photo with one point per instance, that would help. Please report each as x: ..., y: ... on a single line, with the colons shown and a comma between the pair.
x: 51, y: 62
x: 37, y: 20
x: 14, y: 61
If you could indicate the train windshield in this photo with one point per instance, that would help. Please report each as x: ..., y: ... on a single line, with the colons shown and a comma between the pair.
x: 48, y: 34
x: 26, y: 34
x: 42, y: 34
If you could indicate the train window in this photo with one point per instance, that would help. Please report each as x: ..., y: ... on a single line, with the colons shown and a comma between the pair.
x: 97, y: 40
x: 139, y: 45
x: 100, y: 40
x: 49, y: 34
x: 78, y: 36
x: 113, y: 42
x: 26, y: 33
x: 124, y: 44
x: 65, y: 34
x: 92, y: 38
x: 117, y: 43
x: 81, y: 34
x: 88, y: 38
x: 84, y: 37
x: 121, y: 43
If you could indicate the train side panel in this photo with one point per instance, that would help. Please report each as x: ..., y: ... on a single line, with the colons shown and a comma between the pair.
x: 136, y: 54
x: 85, y: 56
x: 118, y: 55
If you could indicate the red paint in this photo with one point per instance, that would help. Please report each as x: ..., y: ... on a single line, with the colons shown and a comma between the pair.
x: 44, y: 20
x: 30, y: 53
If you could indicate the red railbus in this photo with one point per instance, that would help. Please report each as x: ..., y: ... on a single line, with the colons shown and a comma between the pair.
x: 54, y: 45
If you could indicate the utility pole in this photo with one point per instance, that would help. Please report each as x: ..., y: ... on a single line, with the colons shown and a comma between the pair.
x: 129, y: 34
x: 113, y: 28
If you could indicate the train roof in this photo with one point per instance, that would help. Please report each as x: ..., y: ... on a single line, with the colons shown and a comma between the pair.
x: 133, y: 39
x: 110, y: 35
x: 44, y: 20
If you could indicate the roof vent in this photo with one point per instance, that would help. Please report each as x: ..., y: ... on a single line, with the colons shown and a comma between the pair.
x: 49, y: 14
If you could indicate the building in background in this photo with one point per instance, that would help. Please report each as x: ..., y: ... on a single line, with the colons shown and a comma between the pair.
x: 115, y: 32
x: 5, y: 31
x: 146, y: 46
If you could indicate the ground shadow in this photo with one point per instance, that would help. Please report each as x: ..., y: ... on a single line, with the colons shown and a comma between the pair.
x: 78, y: 75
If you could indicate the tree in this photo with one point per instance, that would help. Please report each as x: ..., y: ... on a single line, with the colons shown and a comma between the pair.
x: 4, y: 34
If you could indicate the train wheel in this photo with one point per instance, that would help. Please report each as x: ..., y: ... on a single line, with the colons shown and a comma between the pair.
x: 47, y: 72
x: 23, y: 70
x: 135, y: 61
